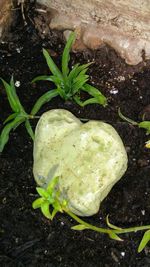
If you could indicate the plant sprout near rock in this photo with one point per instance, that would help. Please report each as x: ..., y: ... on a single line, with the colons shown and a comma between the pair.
x: 50, y: 203
x: 69, y: 83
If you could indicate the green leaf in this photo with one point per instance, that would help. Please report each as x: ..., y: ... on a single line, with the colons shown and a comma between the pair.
x: 37, y: 203
x: 4, y: 137
x: 111, y: 225
x: 126, y: 119
x: 145, y: 125
x: 29, y: 129
x: 54, y: 212
x: 43, y: 99
x: 52, y: 185
x: 10, y: 117
x: 41, y: 78
x: 52, y: 66
x: 144, y: 241
x: 78, y: 83
x: 42, y: 192
x: 112, y: 235
x: 91, y: 90
x: 45, y: 210
x: 79, y: 227
x: 77, y: 69
x: 66, y: 54
x: 11, y: 96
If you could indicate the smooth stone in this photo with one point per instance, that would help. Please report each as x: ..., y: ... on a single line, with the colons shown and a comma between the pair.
x: 88, y: 157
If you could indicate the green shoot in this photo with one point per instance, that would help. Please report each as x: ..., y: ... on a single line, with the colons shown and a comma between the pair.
x: 51, y: 202
x: 69, y: 83
x: 144, y: 124
x: 17, y: 117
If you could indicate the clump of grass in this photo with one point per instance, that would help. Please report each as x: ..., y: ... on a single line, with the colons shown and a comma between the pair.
x: 50, y: 202
x: 69, y: 83
x: 18, y: 116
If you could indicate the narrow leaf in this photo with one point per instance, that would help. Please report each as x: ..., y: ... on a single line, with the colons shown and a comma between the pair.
x: 52, y: 66
x: 4, y: 137
x: 79, y: 227
x: 78, y: 83
x: 10, y: 96
x: 91, y: 90
x: 45, y: 210
x: 77, y: 69
x: 42, y: 192
x: 126, y: 119
x: 11, y: 117
x: 66, y: 54
x: 37, y: 203
x: 41, y: 78
x: 112, y: 235
x: 43, y: 99
x: 29, y: 129
x: 111, y: 225
x: 54, y: 212
x: 144, y: 241
x: 52, y: 185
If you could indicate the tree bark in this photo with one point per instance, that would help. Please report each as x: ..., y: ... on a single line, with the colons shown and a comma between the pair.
x: 122, y: 24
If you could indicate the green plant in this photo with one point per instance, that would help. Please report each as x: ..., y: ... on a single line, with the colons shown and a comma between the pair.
x: 17, y: 117
x: 69, y: 83
x: 144, y: 124
x: 51, y: 202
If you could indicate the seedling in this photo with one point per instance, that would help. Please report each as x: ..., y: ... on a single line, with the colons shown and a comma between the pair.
x: 69, y: 83
x: 18, y: 116
x: 51, y: 202
x: 144, y: 124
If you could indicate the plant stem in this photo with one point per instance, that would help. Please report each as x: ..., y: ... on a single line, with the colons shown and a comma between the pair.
x: 105, y: 230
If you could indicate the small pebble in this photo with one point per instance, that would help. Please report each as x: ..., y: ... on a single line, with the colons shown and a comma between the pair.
x: 143, y: 212
x: 17, y: 83
x: 122, y: 253
x: 114, y: 91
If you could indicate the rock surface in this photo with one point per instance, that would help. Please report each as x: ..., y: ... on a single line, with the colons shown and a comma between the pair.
x: 89, y: 158
x: 124, y: 25
x: 5, y: 15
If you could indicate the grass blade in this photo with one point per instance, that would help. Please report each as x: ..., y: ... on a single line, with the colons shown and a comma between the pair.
x: 41, y: 78
x: 125, y: 118
x: 144, y: 241
x: 112, y: 225
x: 10, y: 117
x: 66, y: 54
x: 10, y: 94
x: 29, y: 129
x: 99, y: 97
x: 78, y: 83
x: 43, y: 99
x: 77, y: 69
x: 6, y: 131
x: 52, y: 66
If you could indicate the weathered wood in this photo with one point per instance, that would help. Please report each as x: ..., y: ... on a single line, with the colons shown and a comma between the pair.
x: 123, y: 24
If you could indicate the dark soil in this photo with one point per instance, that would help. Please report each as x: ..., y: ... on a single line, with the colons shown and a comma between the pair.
x: 26, y: 237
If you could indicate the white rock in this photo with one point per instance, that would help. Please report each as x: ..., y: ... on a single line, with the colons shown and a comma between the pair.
x: 89, y: 158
